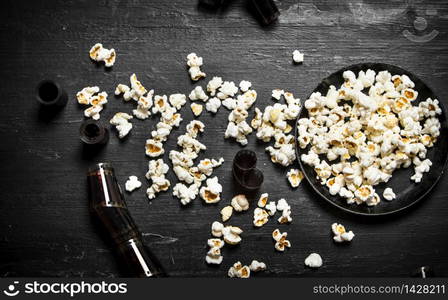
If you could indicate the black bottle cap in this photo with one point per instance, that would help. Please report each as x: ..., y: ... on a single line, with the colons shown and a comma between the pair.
x: 93, y: 133
x: 50, y: 94
x: 267, y: 10
x: 244, y: 171
x: 244, y: 161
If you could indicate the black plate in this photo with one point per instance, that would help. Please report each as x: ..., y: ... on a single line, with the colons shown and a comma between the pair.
x: 407, y: 191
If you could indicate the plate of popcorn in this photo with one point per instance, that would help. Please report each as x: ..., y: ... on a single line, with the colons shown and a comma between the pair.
x: 372, y: 139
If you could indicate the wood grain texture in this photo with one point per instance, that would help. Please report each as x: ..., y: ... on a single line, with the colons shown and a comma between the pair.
x: 45, y: 225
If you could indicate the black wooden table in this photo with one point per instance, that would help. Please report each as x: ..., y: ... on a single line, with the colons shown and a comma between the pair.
x: 45, y: 225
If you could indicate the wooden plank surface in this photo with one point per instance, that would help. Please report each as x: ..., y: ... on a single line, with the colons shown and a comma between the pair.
x: 45, y: 225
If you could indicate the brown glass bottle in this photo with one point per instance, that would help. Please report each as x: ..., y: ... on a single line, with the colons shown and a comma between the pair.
x: 107, y: 202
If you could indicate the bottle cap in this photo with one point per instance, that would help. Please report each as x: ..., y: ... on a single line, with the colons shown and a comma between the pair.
x: 93, y: 133
x: 50, y: 94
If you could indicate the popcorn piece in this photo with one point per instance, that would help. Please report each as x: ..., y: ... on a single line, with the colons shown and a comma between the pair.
x: 154, y: 148
x: 85, y: 95
x: 263, y: 200
x: 195, y: 62
x: 389, y: 194
x: 211, y: 193
x: 226, y: 213
x: 214, y: 256
x: 261, y: 217
x: 198, y: 94
x: 184, y: 193
x: 271, y: 208
x: 122, y: 124
x: 196, y: 109
x: 297, y: 57
x: 231, y: 235
x: 282, y: 205
x: 257, y: 120
x: 286, y: 216
x: 227, y: 89
x: 217, y: 243
x: 132, y: 183
x: 240, y: 203
x: 239, y: 271
x: 277, y: 94
x: 340, y: 234
x: 294, y: 177
x: 229, y: 103
x: 217, y: 229
x: 213, y: 85
x: 280, y: 240
x: 257, y: 266
x: 99, y: 53
x: 177, y: 100
x: 313, y: 260
x: 421, y: 167
x: 245, y: 85
x: 213, y: 105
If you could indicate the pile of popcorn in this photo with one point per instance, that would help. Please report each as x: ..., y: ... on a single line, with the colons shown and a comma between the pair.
x: 357, y: 139
x: 188, y: 173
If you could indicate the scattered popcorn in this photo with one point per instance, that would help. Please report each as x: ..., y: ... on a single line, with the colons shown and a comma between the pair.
x: 217, y: 229
x: 280, y: 240
x: 212, y: 191
x: 198, y: 94
x: 340, y: 234
x: 231, y: 235
x: 245, y: 85
x: 122, y: 124
x: 286, y: 216
x: 213, y: 85
x: 263, y: 200
x: 240, y: 203
x: 226, y: 213
x: 354, y: 147
x: 195, y: 62
x: 257, y: 266
x: 261, y: 217
x: 99, y: 53
x: 213, y: 105
x: 92, y: 96
x: 239, y: 271
x: 196, y: 109
x: 257, y: 120
x: 132, y: 183
x: 294, y: 177
x: 389, y: 194
x: 185, y: 193
x: 313, y: 261
x: 297, y: 57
